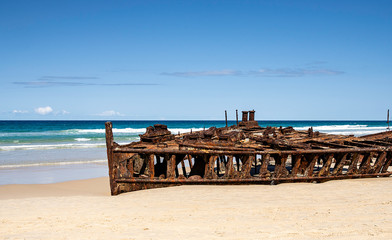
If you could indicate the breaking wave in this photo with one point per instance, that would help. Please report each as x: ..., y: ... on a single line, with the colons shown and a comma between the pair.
x: 51, y: 146
x: 52, y: 163
x: 357, y: 130
x: 82, y: 139
x: 132, y: 130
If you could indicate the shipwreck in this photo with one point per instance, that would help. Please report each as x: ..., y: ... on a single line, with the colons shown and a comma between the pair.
x: 244, y: 153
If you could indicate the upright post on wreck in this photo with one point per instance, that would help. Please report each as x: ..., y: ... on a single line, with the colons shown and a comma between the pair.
x: 236, y: 116
x: 252, y: 115
x: 109, y: 147
x: 244, y: 116
x: 388, y: 119
x: 226, y: 117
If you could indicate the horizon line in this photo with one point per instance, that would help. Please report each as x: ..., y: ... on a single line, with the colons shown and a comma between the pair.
x: 191, y: 120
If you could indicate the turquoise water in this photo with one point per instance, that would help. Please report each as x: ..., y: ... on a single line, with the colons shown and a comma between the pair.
x: 78, y: 147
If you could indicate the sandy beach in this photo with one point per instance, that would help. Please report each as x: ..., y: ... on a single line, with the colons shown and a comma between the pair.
x: 83, y: 209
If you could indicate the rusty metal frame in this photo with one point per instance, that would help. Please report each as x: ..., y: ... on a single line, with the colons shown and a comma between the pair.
x: 243, y: 154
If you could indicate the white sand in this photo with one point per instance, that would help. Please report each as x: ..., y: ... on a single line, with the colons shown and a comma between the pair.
x: 347, y: 209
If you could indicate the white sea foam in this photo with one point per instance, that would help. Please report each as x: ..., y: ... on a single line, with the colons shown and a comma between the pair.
x: 357, y: 133
x: 80, y: 145
x: 21, y: 134
x: 51, y: 146
x: 357, y: 130
x: 133, y: 130
x: 52, y: 163
x: 115, y: 130
x: 82, y: 139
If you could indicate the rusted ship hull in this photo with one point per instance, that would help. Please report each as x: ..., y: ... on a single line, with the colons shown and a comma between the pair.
x: 243, y: 154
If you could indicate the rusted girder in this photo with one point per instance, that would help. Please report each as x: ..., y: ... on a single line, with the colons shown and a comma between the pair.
x: 213, y: 151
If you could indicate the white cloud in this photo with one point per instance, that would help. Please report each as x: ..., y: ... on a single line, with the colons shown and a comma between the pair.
x: 43, y: 110
x: 262, y: 72
x: 62, y: 112
x: 205, y: 73
x: 19, y: 111
x: 110, y: 113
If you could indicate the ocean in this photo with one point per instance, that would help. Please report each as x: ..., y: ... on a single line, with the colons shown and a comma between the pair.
x: 55, y: 151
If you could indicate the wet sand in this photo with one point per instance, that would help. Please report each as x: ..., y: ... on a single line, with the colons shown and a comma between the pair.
x: 84, y: 209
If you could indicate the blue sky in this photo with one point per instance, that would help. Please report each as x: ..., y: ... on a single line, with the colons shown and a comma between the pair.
x: 288, y: 60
